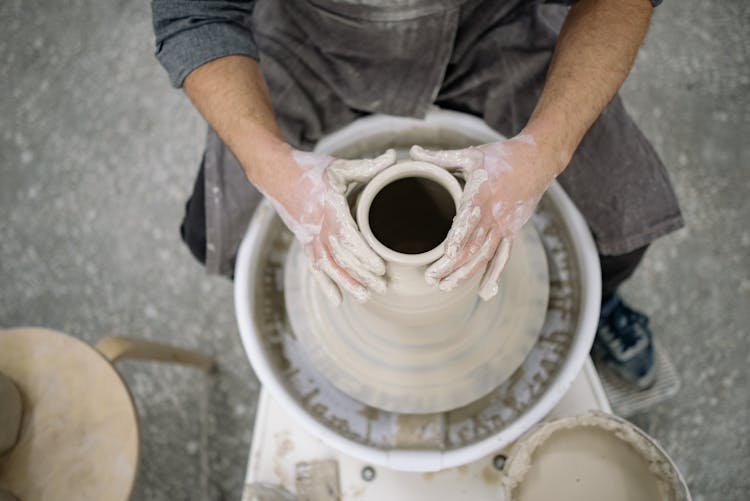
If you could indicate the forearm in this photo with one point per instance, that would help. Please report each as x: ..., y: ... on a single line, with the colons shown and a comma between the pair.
x: 594, y: 53
x: 232, y: 96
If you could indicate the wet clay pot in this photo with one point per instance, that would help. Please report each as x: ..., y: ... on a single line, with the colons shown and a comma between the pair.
x: 404, y: 215
x: 417, y: 349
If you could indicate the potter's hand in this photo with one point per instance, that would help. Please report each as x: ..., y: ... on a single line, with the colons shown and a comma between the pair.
x: 312, y: 203
x: 504, y: 182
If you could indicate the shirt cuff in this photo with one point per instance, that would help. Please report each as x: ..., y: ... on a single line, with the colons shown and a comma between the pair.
x: 183, y: 52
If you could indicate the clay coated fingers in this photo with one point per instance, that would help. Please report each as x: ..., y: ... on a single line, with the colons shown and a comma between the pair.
x: 476, y: 241
x: 462, y: 228
x: 439, y: 268
x: 468, y: 215
x: 466, y: 159
x: 489, y: 286
x: 464, y: 225
x: 350, y: 237
x: 471, y: 267
x: 327, y: 286
x: 466, y: 249
x: 353, y: 266
x: 327, y: 265
x: 343, y: 172
x: 472, y: 246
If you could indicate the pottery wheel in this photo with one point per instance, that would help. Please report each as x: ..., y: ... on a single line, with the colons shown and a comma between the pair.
x: 424, y: 371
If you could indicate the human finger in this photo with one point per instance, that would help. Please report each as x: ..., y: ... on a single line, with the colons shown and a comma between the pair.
x: 354, y: 267
x: 462, y: 228
x: 463, y: 225
x: 327, y: 286
x: 469, y: 214
x: 466, y: 159
x: 351, y: 239
x: 470, y: 243
x: 471, y: 267
x: 343, y: 172
x: 346, y: 282
x: 472, y: 246
x: 437, y: 270
x: 488, y: 287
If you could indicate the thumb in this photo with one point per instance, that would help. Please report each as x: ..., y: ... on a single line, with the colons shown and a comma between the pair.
x: 343, y: 172
x: 466, y: 160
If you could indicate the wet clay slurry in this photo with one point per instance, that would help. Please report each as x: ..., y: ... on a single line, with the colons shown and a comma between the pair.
x: 588, y: 464
x: 587, y: 458
x: 411, y: 215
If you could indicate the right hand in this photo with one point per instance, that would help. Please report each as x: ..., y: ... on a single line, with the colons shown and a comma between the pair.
x: 310, y: 197
x: 504, y: 182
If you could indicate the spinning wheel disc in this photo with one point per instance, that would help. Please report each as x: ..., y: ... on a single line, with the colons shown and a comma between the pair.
x: 422, y: 369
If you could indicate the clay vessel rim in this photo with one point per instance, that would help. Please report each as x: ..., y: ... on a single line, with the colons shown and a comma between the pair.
x: 403, y: 170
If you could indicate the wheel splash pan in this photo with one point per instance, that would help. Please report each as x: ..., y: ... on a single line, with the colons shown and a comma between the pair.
x: 441, y: 440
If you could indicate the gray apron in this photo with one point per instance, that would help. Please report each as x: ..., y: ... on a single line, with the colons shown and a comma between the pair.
x: 328, y: 62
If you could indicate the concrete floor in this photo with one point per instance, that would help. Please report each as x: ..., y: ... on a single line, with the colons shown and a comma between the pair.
x: 98, y: 154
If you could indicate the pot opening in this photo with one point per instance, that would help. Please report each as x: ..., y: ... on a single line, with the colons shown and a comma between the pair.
x: 411, y: 215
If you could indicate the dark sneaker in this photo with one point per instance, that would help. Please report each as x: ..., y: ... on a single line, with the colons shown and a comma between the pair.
x: 623, y: 341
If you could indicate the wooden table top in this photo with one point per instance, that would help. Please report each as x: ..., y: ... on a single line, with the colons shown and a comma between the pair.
x: 79, y: 434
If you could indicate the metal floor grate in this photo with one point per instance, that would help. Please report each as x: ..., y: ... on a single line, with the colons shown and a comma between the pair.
x: 626, y: 400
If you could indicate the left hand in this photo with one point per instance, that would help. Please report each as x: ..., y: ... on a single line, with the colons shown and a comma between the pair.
x: 310, y: 197
x: 504, y: 182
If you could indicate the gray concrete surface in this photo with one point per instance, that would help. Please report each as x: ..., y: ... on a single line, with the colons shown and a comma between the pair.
x: 98, y: 154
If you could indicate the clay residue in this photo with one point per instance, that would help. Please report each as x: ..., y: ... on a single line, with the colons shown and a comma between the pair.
x: 490, y: 475
x: 636, y: 459
x: 318, y: 480
x: 284, y: 446
x: 420, y: 431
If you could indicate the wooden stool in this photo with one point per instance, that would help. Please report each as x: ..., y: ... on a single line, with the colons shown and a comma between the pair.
x: 79, y: 434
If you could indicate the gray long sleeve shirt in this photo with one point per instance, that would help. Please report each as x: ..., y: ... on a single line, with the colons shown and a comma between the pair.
x: 328, y: 62
x: 190, y: 33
